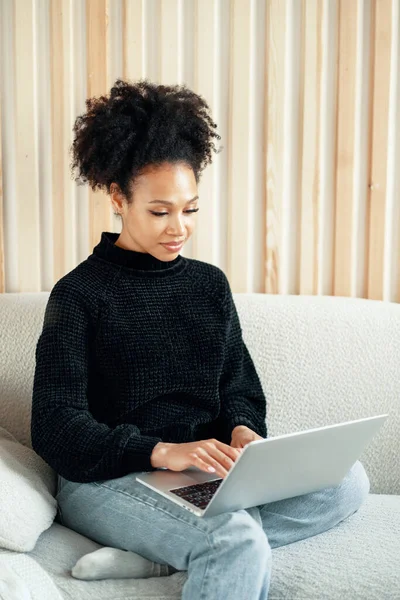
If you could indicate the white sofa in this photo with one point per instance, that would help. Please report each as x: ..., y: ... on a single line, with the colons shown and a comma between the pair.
x: 321, y: 360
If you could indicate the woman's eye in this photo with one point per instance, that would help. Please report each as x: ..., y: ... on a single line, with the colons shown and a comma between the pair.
x: 160, y: 214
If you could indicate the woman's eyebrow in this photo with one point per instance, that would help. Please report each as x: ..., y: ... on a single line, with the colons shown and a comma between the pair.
x: 168, y: 202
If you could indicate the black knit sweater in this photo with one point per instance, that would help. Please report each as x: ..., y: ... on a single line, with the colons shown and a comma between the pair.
x: 134, y: 351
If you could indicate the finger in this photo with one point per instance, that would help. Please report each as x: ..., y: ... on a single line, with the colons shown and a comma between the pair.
x: 226, y: 461
x: 229, y: 450
x: 232, y: 452
x: 204, y: 465
x: 207, y: 457
x: 245, y: 442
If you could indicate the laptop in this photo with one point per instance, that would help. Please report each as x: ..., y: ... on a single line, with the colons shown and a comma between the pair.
x: 269, y: 469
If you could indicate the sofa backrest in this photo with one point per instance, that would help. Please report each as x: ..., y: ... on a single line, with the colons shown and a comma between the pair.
x: 324, y: 360
x: 21, y: 321
x: 321, y: 360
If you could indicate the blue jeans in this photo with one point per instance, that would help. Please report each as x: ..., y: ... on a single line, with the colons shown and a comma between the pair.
x: 225, y: 556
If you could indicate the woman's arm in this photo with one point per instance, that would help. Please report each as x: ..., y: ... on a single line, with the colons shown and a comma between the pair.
x: 242, y: 398
x: 63, y: 431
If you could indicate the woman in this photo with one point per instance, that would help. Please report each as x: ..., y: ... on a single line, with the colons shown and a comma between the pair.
x: 141, y: 365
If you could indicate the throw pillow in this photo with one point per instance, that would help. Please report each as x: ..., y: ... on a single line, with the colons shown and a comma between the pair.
x: 27, y: 503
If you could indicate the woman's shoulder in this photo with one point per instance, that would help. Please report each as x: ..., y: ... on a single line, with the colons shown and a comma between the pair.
x: 84, y: 287
x: 208, y: 277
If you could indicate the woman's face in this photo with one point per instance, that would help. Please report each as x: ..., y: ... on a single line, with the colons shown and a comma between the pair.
x: 171, y: 190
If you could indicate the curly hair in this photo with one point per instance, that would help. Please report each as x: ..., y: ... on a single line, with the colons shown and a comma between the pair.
x: 137, y: 125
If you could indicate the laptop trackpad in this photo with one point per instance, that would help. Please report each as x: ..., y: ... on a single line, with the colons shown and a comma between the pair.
x: 166, y: 479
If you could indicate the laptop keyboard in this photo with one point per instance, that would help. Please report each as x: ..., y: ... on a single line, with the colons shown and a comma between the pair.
x: 198, y: 494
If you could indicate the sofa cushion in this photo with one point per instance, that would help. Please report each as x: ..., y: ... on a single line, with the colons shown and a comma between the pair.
x: 69, y: 546
x: 27, y: 503
x: 22, y: 578
x: 357, y: 559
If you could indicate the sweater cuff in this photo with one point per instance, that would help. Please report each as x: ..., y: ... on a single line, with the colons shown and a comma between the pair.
x: 233, y: 422
x: 137, y: 453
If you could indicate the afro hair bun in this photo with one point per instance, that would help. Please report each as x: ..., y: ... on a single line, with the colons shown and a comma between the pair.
x: 140, y: 124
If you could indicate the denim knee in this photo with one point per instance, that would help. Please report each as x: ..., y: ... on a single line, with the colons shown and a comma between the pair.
x: 361, y: 481
x: 355, y: 488
x: 241, y: 529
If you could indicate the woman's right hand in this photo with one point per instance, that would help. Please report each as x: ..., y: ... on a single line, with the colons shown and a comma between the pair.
x: 202, y: 454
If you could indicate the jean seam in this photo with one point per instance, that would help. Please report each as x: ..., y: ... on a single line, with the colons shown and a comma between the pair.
x: 192, y: 525
x: 209, y: 557
x: 60, y: 513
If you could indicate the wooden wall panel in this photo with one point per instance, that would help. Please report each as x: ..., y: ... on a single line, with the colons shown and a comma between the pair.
x: 393, y: 248
x: 391, y: 278
x: 380, y: 69
x: 207, y: 49
x: 170, y: 57
x: 2, y: 274
x: 347, y: 46
x: 238, y: 232
x: 26, y: 157
x: 100, y: 211
x: 304, y: 197
x: 134, y: 66
x: 274, y: 92
x: 310, y: 104
x: 57, y: 54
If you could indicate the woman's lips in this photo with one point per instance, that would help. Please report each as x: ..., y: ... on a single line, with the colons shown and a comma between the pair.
x: 173, y: 247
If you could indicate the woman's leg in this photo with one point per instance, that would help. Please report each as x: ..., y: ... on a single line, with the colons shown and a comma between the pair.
x: 288, y: 521
x: 226, y: 556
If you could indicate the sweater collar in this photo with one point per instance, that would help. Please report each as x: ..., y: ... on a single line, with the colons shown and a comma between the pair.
x: 141, y: 263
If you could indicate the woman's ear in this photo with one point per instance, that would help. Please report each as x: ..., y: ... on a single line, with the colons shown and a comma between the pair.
x: 116, y: 198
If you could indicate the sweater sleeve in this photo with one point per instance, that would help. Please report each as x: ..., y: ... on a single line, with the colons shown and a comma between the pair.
x: 241, y: 395
x: 63, y: 430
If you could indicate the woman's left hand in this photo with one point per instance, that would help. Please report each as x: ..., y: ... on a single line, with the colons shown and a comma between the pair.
x: 242, y: 435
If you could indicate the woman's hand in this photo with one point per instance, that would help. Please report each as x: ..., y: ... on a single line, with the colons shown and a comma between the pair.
x: 202, y: 454
x: 242, y: 435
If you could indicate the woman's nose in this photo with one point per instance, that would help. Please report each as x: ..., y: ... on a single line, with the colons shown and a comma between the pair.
x: 178, y: 228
